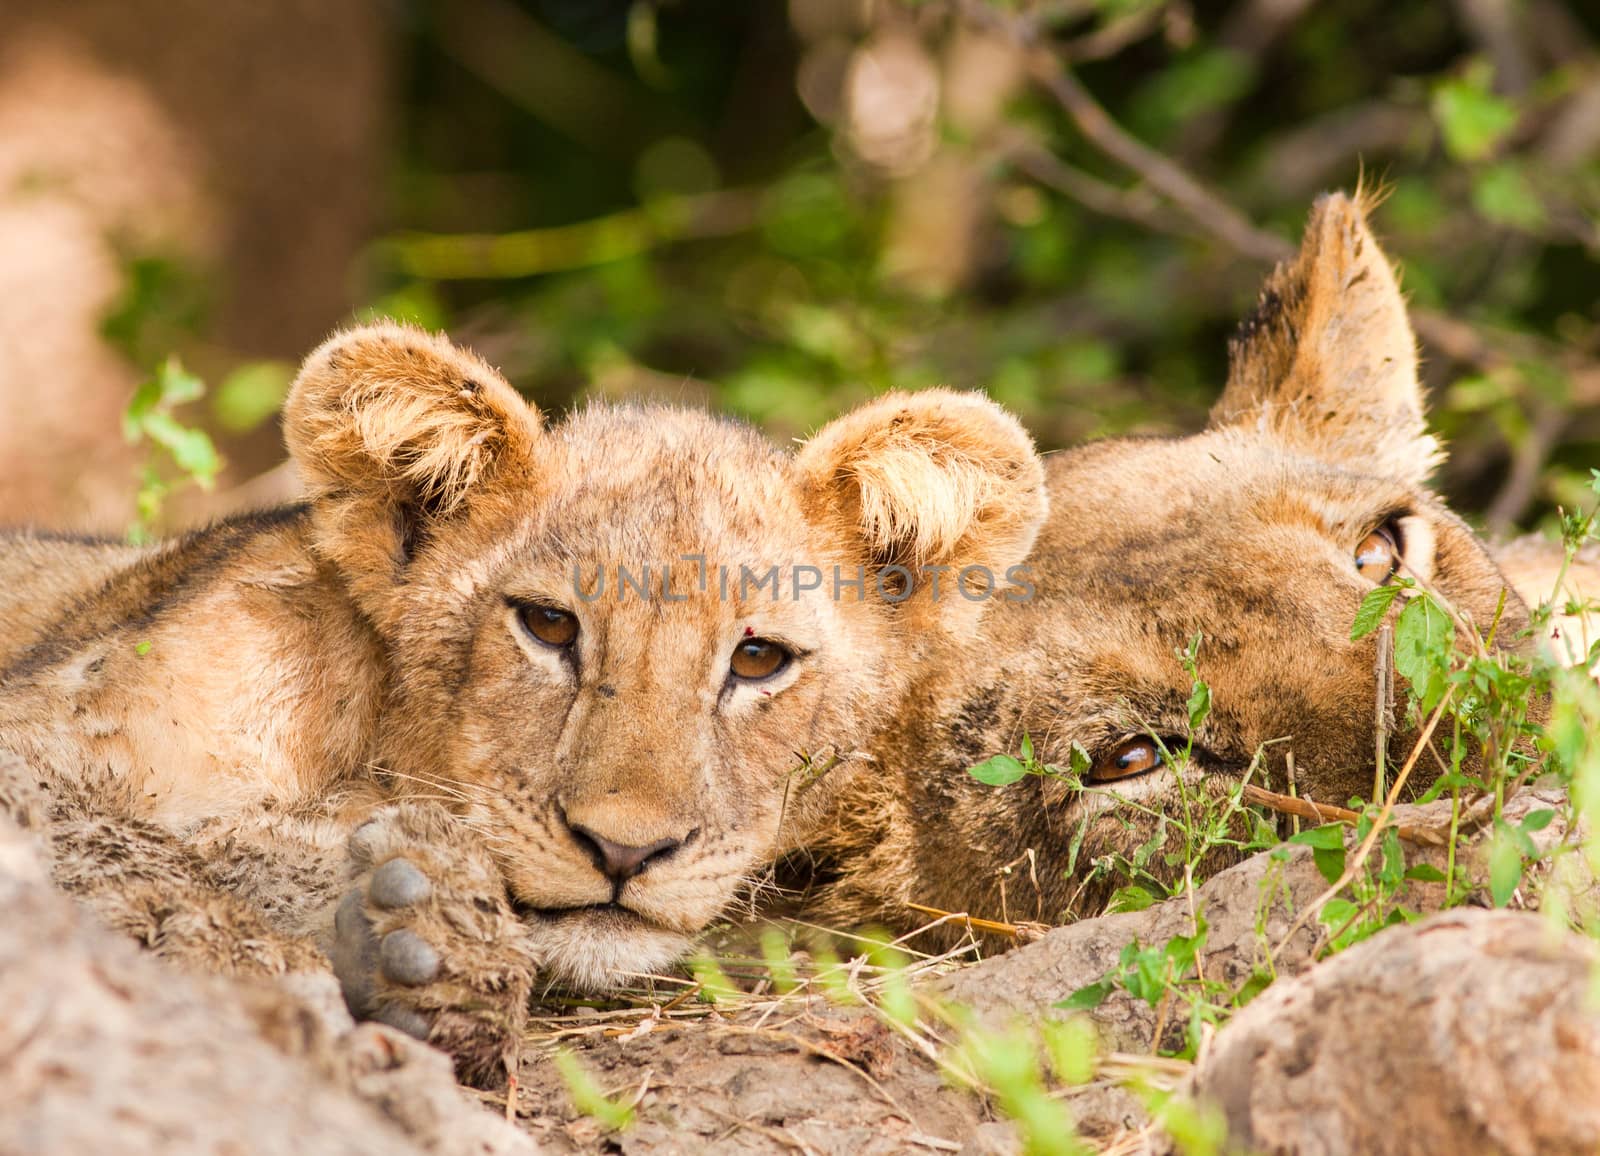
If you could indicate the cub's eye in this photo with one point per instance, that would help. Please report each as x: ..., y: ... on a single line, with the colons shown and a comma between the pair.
x: 1378, y: 556
x: 550, y: 626
x: 1128, y: 758
x: 756, y: 658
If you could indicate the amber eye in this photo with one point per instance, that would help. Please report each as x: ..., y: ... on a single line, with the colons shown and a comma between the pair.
x: 550, y: 626
x: 1128, y: 758
x: 1378, y: 556
x: 757, y: 658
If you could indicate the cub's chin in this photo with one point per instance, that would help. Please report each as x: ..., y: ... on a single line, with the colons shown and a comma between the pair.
x: 594, y: 950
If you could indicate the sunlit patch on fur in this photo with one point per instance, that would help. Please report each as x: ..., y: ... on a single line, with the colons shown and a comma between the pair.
x: 1418, y: 547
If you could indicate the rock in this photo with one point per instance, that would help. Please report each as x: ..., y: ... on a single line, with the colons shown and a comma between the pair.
x: 1472, y: 1031
x: 104, y: 1048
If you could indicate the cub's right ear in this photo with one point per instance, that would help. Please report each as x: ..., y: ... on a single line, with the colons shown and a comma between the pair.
x: 395, y: 430
x: 935, y: 478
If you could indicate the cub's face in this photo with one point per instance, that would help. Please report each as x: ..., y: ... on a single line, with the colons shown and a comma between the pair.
x: 1263, y: 554
x: 639, y: 651
x: 1262, y: 534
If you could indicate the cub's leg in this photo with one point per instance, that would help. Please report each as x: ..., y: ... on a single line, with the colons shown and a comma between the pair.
x: 146, y: 881
x: 426, y: 939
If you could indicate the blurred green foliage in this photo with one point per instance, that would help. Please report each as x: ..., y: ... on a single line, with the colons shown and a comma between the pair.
x: 783, y: 208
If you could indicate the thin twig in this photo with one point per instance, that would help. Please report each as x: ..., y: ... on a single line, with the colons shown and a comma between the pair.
x: 1215, y: 215
x: 1327, y: 813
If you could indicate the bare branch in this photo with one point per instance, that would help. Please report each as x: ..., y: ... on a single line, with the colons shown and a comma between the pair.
x: 1215, y: 216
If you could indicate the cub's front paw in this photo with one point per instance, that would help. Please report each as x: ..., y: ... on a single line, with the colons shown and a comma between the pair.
x: 426, y: 940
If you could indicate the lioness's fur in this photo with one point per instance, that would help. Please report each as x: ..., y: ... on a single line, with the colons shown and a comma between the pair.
x: 252, y: 692
x: 1245, y: 534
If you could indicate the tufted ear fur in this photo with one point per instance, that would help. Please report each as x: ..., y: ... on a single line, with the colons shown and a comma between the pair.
x: 396, y: 431
x: 1327, y: 363
x: 936, y: 478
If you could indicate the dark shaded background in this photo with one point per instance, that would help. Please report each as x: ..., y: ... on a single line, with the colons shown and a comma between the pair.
x: 780, y: 209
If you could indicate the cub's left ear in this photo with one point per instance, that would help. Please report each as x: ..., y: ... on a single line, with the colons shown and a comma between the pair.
x: 397, y: 431
x: 1327, y: 364
x: 935, y: 478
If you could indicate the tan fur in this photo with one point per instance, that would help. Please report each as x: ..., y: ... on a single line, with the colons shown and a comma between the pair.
x: 1244, y: 533
x: 242, y: 698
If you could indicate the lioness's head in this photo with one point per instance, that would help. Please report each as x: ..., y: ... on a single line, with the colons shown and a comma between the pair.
x: 639, y: 650
x: 1262, y: 533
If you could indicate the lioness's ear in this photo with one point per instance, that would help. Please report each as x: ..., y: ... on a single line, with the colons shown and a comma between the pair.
x: 394, y: 429
x: 936, y: 478
x: 1327, y: 363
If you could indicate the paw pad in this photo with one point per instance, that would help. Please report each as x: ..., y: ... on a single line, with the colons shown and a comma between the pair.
x: 399, y: 883
x: 406, y: 958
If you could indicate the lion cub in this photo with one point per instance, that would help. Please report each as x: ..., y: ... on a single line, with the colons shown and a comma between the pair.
x: 1263, y: 533
x: 562, y: 688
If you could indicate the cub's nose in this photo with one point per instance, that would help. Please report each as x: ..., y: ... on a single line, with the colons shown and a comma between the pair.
x: 620, y: 862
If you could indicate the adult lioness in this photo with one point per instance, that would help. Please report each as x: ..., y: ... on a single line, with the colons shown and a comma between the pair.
x: 1263, y: 533
x: 586, y: 657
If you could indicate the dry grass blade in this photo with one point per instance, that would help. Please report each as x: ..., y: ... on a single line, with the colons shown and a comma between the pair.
x: 993, y: 926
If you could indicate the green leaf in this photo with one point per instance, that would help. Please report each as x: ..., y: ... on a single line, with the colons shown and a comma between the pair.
x: 1424, y: 642
x: 1088, y: 997
x: 251, y: 394
x: 1182, y: 950
x: 1199, y: 705
x: 1336, y: 913
x: 1130, y: 898
x: 587, y: 1096
x: 1425, y: 873
x: 1327, y: 849
x: 191, y: 449
x: 1027, y: 748
x: 1503, y: 194
x: 178, y: 386
x: 145, y: 399
x: 1329, y: 837
x: 715, y: 986
x: 1258, y: 982
x: 1078, y: 761
x: 1538, y: 820
x: 1146, y: 974
x: 999, y: 771
x: 141, y: 648
x: 1472, y: 119
x: 1505, y: 867
x: 1071, y: 1045
x: 1392, y: 871
x: 1373, y: 608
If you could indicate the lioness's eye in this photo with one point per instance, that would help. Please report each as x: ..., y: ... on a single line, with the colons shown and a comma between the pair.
x: 757, y: 658
x: 1378, y: 556
x: 549, y: 625
x: 1128, y: 758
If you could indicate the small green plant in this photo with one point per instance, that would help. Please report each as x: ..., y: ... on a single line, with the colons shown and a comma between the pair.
x: 715, y: 986
x: 587, y: 1096
x: 1014, y: 1065
x: 1003, y: 770
x: 178, y: 454
x: 1167, y: 976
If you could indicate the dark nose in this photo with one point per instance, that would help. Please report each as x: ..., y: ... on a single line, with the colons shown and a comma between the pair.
x: 619, y: 862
